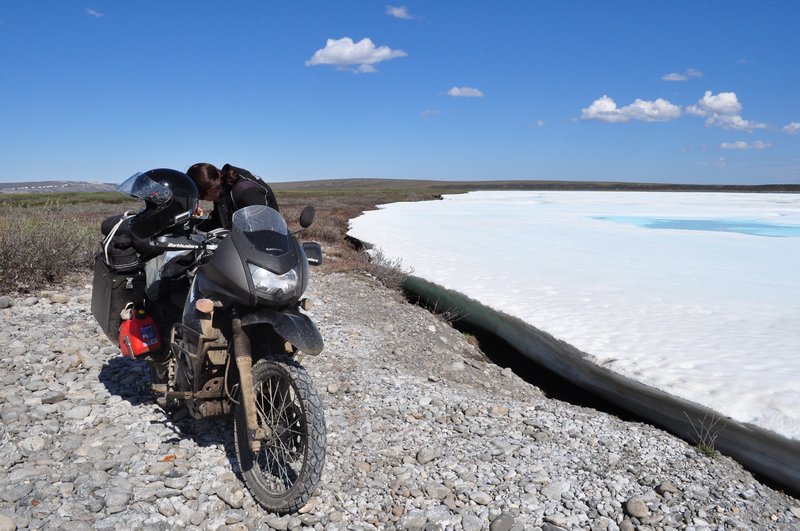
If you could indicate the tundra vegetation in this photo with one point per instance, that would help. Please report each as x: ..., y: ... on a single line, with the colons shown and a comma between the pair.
x: 45, y: 238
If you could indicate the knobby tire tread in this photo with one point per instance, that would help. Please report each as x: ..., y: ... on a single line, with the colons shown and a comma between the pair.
x: 315, y: 443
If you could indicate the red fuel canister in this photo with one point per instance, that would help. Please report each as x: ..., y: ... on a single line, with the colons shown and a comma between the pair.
x: 139, y: 335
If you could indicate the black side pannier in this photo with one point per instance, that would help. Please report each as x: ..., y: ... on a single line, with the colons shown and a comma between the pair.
x: 111, y: 292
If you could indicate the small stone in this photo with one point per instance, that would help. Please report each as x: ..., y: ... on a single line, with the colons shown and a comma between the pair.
x: 53, y: 397
x: 59, y: 298
x: 197, y: 517
x: 555, y: 489
x: 481, y: 498
x: 508, y: 372
x: 166, y: 508
x: 498, y: 411
x: 666, y: 486
x: 175, y: 483
x: 471, y: 522
x: 426, y: 455
x: 280, y: 523
x: 363, y: 466
x: 557, y: 519
x: 79, y: 412
x: 795, y: 511
x: 117, y: 498
x: 636, y: 507
x: 627, y: 525
x: 309, y: 507
x: 231, y: 494
x: 436, y: 491
x: 5, y: 302
x: 15, y: 492
x: 749, y: 494
x: 6, y: 523
x: 414, y: 520
x: 334, y: 388
x: 547, y: 526
x: 160, y: 468
x: 504, y: 522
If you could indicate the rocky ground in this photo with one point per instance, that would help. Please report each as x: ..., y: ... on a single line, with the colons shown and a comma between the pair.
x: 423, y: 433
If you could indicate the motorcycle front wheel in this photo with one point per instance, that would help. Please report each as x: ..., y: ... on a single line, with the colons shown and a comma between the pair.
x: 282, y: 476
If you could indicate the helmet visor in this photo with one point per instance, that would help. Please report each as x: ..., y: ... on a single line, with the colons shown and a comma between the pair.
x: 141, y: 186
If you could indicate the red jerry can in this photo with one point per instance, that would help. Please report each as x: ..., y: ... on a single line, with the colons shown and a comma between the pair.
x: 139, y: 335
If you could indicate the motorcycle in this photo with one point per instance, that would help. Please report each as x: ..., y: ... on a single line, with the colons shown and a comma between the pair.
x: 238, y: 346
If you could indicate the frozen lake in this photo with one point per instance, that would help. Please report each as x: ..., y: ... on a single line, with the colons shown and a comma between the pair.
x: 695, y: 294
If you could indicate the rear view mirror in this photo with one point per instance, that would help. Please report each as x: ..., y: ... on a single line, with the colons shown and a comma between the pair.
x: 313, y: 252
x: 307, y: 216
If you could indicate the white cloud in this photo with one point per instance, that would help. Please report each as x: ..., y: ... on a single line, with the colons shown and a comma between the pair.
x: 605, y: 109
x: 792, y: 128
x: 689, y: 72
x: 540, y: 123
x: 741, y: 144
x: 722, y: 103
x: 93, y: 13
x: 723, y: 110
x: 465, y: 92
x: 431, y: 112
x: 398, y: 12
x: 734, y: 122
x: 344, y: 54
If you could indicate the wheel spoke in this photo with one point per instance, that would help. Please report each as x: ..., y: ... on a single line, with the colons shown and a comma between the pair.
x: 282, y: 392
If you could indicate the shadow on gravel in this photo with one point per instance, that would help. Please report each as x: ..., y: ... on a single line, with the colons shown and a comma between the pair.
x: 129, y: 379
x: 554, y: 386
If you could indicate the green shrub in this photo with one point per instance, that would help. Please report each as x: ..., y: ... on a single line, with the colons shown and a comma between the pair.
x: 40, y: 246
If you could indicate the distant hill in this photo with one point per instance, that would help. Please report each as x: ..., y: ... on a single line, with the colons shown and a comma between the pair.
x: 41, y: 187
x: 343, y: 185
x: 461, y: 186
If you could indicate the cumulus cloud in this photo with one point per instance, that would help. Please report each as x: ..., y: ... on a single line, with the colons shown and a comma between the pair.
x: 359, y: 56
x: 741, y: 144
x: 398, y: 12
x: 710, y: 104
x: 734, y: 122
x: 93, y: 13
x: 689, y: 72
x: 465, y: 92
x: 723, y: 110
x: 792, y: 128
x: 605, y: 109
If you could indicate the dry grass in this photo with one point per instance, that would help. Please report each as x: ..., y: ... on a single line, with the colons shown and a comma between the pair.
x: 46, y: 237
x: 41, y: 244
x: 335, y: 208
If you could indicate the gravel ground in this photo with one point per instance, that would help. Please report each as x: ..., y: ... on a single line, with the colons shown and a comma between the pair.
x: 423, y: 433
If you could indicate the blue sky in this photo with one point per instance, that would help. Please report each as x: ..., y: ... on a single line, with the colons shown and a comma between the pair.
x: 697, y: 92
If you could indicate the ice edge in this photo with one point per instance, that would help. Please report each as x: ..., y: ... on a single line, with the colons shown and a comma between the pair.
x: 760, y: 450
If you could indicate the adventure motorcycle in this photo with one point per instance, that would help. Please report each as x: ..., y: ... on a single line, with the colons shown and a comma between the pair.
x: 238, y: 348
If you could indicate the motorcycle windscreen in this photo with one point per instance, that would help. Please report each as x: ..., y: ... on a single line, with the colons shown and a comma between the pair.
x: 141, y: 186
x: 262, y: 236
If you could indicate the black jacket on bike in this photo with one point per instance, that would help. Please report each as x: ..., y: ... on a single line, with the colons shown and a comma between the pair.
x: 248, y: 190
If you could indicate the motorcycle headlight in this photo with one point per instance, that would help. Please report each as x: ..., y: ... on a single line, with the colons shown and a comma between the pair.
x: 269, y: 283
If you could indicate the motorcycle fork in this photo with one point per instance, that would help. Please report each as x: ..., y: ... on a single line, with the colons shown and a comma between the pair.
x: 244, y: 364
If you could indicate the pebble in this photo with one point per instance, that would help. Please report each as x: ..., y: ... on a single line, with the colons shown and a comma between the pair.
x: 637, y: 507
x: 420, y: 436
x: 5, y: 302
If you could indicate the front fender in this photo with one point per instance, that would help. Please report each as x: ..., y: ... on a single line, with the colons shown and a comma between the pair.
x: 295, y: 327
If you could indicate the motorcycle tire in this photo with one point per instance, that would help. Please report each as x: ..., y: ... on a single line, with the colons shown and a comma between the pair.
x: 283, y: 475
